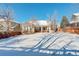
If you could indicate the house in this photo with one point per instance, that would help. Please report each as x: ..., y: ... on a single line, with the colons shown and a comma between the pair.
x: 9, y: 25
x: 9, y: 28
x: 37, y: 26
x: 73, y: 26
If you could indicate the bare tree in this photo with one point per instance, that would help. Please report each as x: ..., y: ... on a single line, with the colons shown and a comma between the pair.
x: 49, y: 22
x: 8, y: 18
x: 54, y: 21
x: 7, y: 14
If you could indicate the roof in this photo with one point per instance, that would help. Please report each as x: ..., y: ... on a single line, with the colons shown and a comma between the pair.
x: 74, y: 22
x: 2, y: 19
x: 37, y: 23
x: 76, y: 14
x: 42, y: 23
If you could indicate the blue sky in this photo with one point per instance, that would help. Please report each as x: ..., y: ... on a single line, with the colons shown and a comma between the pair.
x: 25, y: 11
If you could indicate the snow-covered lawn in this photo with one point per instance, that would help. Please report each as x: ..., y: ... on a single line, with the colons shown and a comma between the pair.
x: 27, y: 44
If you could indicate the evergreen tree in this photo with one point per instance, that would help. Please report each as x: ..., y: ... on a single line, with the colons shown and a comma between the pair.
x: 64, y: 22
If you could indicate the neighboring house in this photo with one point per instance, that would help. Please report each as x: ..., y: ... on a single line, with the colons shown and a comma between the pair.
x: 37, y: 26
x: 3, y: 25
x: 9, y: 26
x: 74, y: 24
x: 75, y: 20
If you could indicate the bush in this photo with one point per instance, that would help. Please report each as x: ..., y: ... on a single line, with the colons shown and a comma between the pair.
x: 8, y: 34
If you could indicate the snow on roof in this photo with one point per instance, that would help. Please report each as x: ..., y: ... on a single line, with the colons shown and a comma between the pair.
x: 37, y: 22
x: 42, y: 23
x: 74, y: 21
x: 76, y: 14
x: 2, y: 19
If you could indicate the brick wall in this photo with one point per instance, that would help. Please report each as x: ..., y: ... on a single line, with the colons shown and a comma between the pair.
x: 72, y: 29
